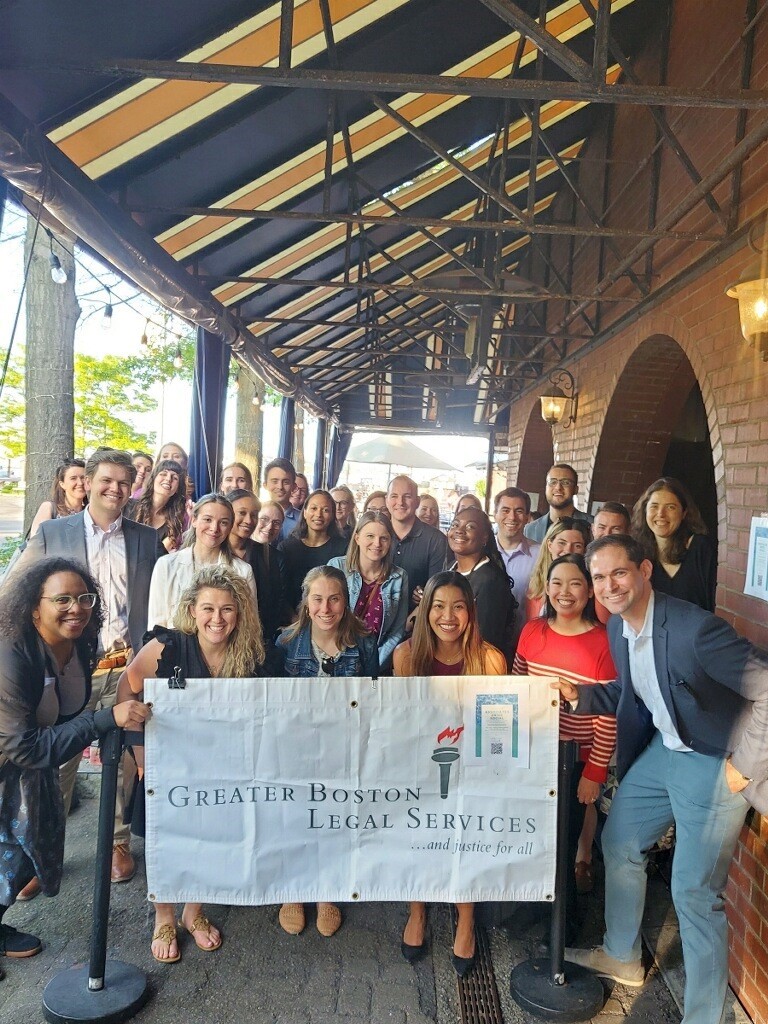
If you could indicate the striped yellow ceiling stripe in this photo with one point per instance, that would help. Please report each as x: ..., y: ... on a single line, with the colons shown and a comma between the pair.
x: 371, y: 133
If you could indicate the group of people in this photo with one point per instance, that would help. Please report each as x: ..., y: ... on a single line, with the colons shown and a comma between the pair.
x: 301, y: 585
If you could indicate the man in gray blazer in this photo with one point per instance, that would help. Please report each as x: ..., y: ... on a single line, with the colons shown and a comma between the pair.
x: 121, y: 555
x: 691, y: 704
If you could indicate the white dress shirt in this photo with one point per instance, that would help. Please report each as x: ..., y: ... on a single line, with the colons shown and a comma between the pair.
x: 645, y: 681
x: 107, y: 561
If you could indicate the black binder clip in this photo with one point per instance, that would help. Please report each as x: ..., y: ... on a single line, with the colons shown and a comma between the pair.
x: 177, y: 682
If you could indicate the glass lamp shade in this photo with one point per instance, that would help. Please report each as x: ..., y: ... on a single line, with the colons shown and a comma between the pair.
x: 752, y: 296
x: 553, y: 406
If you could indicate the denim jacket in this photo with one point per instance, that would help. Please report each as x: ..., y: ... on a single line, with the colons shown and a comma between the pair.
x: 299, y: 661
x: 395, y: 595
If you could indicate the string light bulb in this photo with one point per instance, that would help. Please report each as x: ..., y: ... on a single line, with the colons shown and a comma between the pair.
x: 144, y: 339
x: 178, y: 361
x: 256, y: 401
x: 58, y: 273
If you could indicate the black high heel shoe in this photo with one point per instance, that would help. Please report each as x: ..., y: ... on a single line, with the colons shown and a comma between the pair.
x: 463, y: 964
x: 413, y: 953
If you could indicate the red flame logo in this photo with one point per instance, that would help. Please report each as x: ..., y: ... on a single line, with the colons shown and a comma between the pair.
x: 450, y: 735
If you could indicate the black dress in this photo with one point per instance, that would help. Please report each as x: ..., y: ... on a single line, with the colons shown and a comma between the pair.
x: 299, y: 558
x: 269, y: 573
x: 695, y: 580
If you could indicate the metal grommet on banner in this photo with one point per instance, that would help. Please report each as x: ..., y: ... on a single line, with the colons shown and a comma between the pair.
x: 355, y: 895
x: 552, y: 792
x: 550, y: 896
x: 150, y: 792
x: 353, y: 703
x: 151, y: 896
x: 150, y: 704
x: 554, y: 702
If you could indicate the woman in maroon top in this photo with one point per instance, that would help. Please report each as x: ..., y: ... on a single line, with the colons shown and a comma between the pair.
x: 446, y: 641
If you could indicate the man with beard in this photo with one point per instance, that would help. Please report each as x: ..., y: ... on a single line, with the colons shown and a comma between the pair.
x: 561, y: 486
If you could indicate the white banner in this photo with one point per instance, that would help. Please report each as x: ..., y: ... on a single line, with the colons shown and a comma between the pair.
x: 297, y: 790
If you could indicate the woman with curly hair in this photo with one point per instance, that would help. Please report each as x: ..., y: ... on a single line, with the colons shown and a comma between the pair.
x: 163, y: 504
x: 67, y: 494
x: 446, y: 641
x: 218, y: 634
x: 49, y: 627
x: 668, y: 524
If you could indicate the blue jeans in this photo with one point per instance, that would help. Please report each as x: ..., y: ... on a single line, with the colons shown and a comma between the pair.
x: 665, y: 786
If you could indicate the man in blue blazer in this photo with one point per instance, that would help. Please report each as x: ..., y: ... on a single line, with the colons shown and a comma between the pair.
x: 691, y: 703
x: 121, y: 555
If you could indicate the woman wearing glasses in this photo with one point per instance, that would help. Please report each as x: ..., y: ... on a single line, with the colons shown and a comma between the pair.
x: 327, y: 640
x: 346, y: 510
x: 378, y: 589
x: 49, y: 626
x: 206, y: 543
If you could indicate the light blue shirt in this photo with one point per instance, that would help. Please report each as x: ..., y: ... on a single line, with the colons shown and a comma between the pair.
x: 645, y: 681
x: 519, y: 563
x: 292, y: 517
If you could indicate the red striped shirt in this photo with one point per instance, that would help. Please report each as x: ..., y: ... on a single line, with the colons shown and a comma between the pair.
x: 583, y: 659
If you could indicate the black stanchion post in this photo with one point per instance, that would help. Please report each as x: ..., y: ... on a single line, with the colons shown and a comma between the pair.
x: 552, y: 989
x: 104, y: 992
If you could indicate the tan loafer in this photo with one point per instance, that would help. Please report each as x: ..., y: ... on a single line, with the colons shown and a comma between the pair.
x: 30, y: 890
x: 292, y: 918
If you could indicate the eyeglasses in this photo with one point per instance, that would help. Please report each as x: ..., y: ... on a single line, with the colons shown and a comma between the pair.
x: 343, y: 502
x: 269, y: 522
x: 64, y: 602
x: 328, y: 666
x: 564, y: 481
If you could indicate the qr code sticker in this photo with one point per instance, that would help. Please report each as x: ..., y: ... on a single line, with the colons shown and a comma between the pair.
x: 497, y: 748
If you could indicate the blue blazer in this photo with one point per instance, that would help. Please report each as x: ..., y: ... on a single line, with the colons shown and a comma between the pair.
x: 714, y: 684
x: 395, y: 596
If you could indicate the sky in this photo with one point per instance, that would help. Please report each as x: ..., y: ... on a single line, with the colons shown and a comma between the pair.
x: 172, y: 415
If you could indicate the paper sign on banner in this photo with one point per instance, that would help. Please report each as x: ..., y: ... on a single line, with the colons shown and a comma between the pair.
x: 756, y: 581
x: 298, y: 790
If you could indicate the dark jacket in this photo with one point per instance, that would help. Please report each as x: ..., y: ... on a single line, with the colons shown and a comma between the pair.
x: 299, y: 661
x: 713, y: 682
x: 22, y: 681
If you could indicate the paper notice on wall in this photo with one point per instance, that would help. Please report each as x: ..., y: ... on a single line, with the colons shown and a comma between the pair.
x: 756, y: 583
x: 298, y: 790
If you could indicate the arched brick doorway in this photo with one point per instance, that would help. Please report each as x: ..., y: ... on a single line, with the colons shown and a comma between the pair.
x: 536, y: 456
x: 656, y: 425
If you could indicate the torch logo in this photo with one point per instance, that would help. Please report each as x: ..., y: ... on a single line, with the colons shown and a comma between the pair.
x: 445, y: 754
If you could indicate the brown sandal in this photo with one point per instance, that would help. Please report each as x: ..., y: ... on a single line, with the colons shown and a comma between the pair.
x: 201, y: 924
x: 166, y: 933
x: 292, y: 918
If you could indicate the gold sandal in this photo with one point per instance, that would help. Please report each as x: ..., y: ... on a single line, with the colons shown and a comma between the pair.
x: 328, y: 919
x: 166, y: 933
x: 201, y: 924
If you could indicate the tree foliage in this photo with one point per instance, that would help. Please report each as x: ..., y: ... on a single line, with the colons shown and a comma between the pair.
x: 12, y: 429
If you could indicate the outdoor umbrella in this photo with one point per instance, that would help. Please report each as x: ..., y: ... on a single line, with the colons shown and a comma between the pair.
x: 396, y: 451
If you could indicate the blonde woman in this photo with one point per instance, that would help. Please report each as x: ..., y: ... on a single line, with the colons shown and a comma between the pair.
x: 217, y: 634
x: 565, y: 537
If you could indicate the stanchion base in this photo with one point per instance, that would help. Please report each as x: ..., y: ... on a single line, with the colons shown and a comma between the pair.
x: 68, y: 1000
x: 532, y: 988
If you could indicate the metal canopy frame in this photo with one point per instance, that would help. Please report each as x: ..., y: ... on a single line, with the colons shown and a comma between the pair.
x: 395, y: 222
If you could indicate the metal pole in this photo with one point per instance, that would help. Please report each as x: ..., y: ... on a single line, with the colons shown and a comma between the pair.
x: 111, y: 750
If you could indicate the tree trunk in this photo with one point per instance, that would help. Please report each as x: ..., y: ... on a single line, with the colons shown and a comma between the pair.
x: 298, y: 441
x: 52, y: 315
x: 249, y: 426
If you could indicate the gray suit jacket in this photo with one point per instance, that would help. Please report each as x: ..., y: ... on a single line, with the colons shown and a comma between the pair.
x: 714, y: 684
x: 537, y: 530
x: 66, y: 537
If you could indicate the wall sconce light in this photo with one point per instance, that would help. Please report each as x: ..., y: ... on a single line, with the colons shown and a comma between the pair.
x: 751, y: 291
x: 558, y: 403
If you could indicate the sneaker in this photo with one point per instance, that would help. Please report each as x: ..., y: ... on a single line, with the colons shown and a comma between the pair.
x: 14, y: 943
x: 598, y: 961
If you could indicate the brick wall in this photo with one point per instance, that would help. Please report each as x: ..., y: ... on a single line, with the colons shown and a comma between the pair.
x: 632, y: 388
